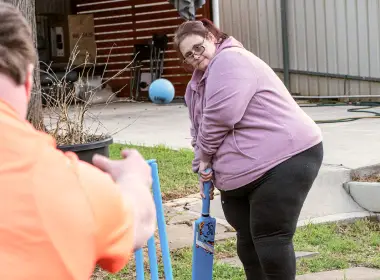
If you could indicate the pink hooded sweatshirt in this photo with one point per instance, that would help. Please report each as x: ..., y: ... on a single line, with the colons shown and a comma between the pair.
x: 243, y: 119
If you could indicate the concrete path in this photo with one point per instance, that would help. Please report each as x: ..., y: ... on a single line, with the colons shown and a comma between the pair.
x: 352, y: 144
x: 145, y: 123
x: 347, y: 145
x: 180, y: 228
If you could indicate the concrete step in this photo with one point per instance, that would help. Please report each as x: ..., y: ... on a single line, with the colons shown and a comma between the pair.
x: 358, y: 273
x: 327, y: 195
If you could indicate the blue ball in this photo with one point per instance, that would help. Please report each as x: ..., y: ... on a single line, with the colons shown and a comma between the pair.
x: 161, y: 91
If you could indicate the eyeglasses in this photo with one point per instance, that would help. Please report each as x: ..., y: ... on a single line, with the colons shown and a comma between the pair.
x: 198, y: 49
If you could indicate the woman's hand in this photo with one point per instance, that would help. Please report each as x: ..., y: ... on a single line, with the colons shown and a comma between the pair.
x: 205, y: 176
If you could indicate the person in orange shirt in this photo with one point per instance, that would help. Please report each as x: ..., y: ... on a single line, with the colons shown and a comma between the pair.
x: 59, y: 216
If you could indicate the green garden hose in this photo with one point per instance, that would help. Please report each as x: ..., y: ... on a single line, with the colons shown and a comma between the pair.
x: 367, y: 105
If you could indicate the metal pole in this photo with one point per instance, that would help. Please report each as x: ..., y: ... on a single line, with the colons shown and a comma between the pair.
x: 285, y: 42
x: 215, y: 13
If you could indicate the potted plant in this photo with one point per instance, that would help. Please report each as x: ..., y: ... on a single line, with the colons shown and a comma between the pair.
x: 67, y: 97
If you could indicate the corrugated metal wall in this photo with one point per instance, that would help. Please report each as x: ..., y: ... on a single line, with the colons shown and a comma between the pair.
x: 257, y: 24
x: 325, y: 36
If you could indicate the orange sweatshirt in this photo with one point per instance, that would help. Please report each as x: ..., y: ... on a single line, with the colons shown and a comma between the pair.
x: 59, y: 216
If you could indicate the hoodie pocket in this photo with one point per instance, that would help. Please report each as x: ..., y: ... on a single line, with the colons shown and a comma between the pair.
x: 239, y: 149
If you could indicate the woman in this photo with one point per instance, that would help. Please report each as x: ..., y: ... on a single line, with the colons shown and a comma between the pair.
x: 265, y: 152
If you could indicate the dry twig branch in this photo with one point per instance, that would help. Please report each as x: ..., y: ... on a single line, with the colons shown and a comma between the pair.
x: 67, y: 109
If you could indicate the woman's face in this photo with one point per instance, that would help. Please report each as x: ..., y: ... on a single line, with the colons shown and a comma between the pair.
x: 198, y: 51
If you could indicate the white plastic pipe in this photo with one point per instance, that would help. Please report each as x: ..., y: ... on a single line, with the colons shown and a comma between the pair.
x: 215, y: 13
x: 336, y: 96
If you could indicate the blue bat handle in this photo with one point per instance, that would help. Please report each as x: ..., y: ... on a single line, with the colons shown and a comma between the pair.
x: 206, y: 200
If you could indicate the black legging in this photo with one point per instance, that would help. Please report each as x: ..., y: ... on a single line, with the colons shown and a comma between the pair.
x: 265, y: 213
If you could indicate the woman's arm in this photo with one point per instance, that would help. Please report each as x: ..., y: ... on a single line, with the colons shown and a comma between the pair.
x: 231, y: 84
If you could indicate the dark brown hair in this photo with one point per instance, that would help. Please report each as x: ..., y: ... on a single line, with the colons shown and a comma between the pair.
x: 17, y: 50
x: 198, y: 27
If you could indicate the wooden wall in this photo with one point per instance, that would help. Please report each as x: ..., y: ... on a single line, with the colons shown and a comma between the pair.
x: 121, y: 24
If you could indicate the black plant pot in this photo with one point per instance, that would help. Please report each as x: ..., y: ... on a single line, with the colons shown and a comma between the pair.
x: 86, y: 151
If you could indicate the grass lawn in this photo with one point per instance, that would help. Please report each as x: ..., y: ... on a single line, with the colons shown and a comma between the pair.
x: 174, y: 166
x: 340, y: 246
x: 181, y: 263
